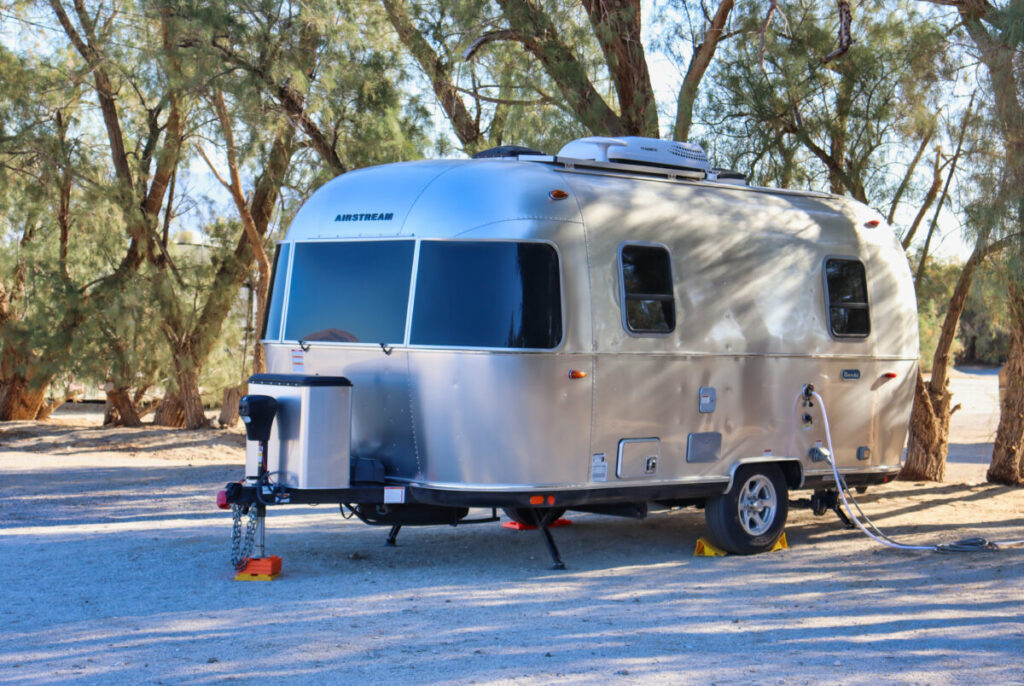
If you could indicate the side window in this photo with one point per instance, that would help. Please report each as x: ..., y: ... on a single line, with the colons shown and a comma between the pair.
x: 847, y: 294
x: 647, y: 300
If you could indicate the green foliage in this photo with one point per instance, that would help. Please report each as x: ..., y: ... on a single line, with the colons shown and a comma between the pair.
x: 985, y: 324
x: 983, y: 334
x: 786, y: 118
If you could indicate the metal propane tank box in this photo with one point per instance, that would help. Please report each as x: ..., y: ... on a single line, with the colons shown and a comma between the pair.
x: 611, y: 329
x: 308, y: 447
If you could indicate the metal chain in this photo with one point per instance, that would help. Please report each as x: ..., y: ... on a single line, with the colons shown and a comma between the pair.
x: 241, y: 550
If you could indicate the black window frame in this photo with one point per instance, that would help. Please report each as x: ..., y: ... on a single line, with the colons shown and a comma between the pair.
x: 624, y: 296
x: 829, y: 305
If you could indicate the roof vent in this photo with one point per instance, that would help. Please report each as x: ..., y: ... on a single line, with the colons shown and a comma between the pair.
x: 729, y: 176
x: 652, y: 152
x: 506, y: 151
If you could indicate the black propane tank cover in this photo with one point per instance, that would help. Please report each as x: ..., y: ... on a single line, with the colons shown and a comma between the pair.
x: 257, y: 411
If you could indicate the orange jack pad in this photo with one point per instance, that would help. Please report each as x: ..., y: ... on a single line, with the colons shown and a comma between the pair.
x: 516, y: 526
x: 260, y: 569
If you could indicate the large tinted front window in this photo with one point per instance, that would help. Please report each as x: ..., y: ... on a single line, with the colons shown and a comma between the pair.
x: 272, y: 321
x: 487, y: 295
x: 354, y: 292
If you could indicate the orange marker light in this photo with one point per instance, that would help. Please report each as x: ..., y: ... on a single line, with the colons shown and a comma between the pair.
x: 558, y: 194
x: 577, y: 374
x: 536, y: 500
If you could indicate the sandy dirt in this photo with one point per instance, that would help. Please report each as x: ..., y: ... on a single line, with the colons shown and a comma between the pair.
x: 115, y: 570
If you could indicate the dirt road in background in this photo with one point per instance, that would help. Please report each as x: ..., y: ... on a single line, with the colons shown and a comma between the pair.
x: 115, y: 570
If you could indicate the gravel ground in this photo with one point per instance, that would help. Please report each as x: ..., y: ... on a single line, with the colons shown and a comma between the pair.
x: 115, y: 570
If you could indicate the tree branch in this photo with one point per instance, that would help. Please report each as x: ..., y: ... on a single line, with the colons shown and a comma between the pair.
x: 945, y: 190
x: 490, y: 37
x: 910, y: 172
x: 466, y: 128
x: 845, y: 36
x: 929, y: 198
x: 541, y: 37
x: 699, y: 63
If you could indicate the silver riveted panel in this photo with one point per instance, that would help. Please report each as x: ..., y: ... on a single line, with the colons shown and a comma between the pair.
x: 704, y: 447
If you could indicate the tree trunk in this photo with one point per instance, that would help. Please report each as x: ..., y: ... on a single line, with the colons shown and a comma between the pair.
x: 121, y: 400
x: 187, y: 378
x: 170, y: 412
x: 1007, y: 465
x: 617, y: 27
x: 110, y: 415
x: 229, y: 407
x: 929, y: 434
x: 23, y: 385
x: 929, y: 418
x: 21, y: 399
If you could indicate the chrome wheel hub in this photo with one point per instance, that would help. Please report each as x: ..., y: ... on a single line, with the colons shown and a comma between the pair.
x: 758, y: 505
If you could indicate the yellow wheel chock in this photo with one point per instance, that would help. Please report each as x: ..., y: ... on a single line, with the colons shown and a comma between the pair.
x: 706, y: 549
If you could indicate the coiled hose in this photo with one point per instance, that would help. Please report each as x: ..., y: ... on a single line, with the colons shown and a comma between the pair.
x: 967, y: 545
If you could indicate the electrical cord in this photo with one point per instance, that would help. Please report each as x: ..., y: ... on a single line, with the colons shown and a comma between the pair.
x: 276, y: 488
x: 967, y: 545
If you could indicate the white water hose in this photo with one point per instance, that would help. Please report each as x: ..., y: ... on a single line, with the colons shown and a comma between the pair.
x: 964, y: 546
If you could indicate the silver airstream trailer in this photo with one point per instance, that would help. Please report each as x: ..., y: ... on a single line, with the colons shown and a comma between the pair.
x: 615, y: 327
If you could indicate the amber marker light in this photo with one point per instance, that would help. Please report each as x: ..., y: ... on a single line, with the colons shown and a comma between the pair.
x: 577, y: 374
x: 558, y: 194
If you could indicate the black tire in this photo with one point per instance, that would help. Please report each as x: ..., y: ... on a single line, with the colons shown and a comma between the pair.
x: 525, y: 515
x: 755, y: 525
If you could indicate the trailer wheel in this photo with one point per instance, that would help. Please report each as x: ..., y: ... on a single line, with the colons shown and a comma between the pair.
x: 750, y: 517
x: 525, y: 515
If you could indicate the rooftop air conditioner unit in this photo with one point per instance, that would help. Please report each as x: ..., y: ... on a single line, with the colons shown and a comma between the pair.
x: 652, y: 152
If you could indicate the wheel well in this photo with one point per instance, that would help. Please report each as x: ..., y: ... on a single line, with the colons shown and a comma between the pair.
x: 791, y: 470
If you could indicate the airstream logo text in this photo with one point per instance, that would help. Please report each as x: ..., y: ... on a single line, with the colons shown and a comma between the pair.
x: 375, y: 217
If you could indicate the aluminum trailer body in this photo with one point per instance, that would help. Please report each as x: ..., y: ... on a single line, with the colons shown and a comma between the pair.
x: 584, y: 334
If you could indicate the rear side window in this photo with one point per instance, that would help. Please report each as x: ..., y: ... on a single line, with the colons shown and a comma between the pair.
x: 352, y: 292
x: 847, y: 294
x: 646, y: 276
x: 487, y: 294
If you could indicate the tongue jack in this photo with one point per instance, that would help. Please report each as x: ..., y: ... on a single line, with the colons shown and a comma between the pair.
x: 258, y: 412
